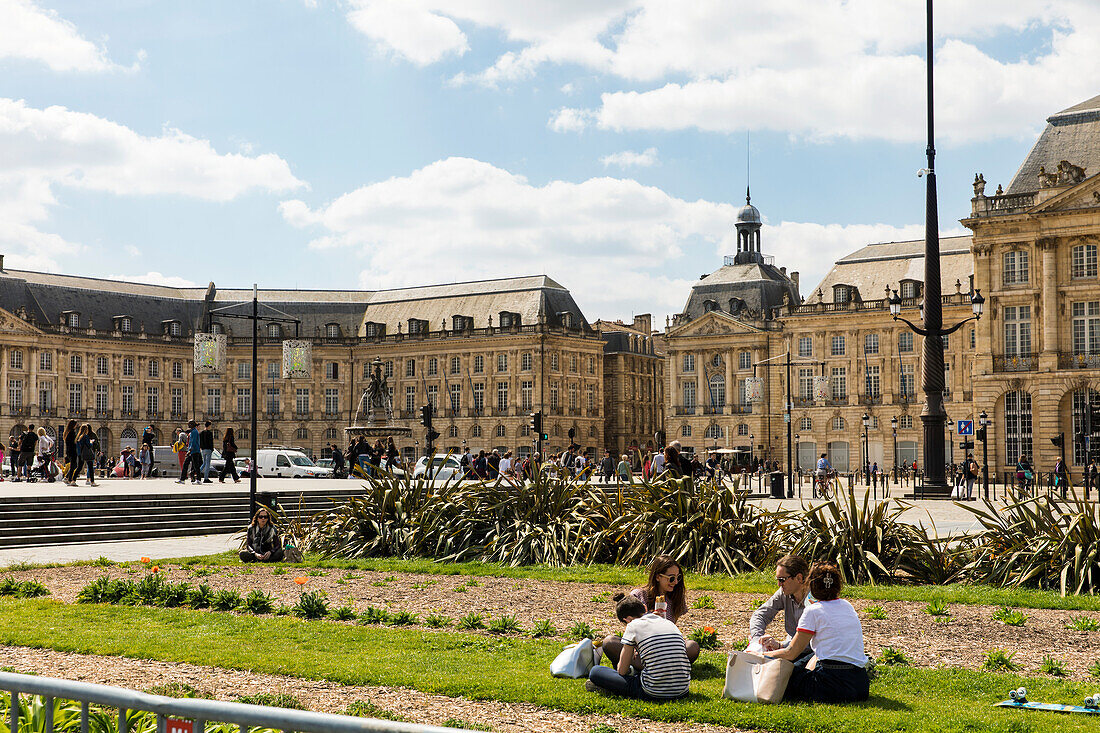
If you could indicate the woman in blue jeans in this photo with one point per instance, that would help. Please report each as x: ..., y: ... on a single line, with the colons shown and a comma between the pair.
x: 831, y: 627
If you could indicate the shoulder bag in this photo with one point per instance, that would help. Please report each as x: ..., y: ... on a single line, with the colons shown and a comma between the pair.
x: 752, y: 678
x: 575, y: 660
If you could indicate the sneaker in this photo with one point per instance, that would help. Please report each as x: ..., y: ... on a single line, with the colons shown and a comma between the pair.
x: 207, y: 481
x: 593, y: 687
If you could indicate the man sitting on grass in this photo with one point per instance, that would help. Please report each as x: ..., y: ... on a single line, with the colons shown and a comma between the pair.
x: 654, y: 645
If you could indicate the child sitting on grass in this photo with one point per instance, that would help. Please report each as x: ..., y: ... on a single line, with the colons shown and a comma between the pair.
x: 652, y: 644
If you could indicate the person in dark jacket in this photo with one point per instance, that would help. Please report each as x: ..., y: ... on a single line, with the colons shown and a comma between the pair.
x: 263, y: 543
x: 70, y: 454
x: 206, y: 450
x: 229, y: 452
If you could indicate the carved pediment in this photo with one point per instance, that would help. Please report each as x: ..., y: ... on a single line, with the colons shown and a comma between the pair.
x: 10, y: 323
x: 713, y: 323
x: 1081, y: 195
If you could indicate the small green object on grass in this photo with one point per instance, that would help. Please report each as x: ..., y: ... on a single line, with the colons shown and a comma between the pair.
x: 876, y: 612
x: 1053, y: 667
x: 543, y: 627
x: 582, y: 630
x: 504, y: 625
x: 1010, y: 616
x: 258, y: 602
x: 893, y: 656
x: 362, y: 709
x: 602, y: 597
x: 273, y: 700
x: 603, y: 728
x: 403, y: 618
x: 438, y: 621
x: 180, y: 689
x: 1094, y: 669
x: 471, y: 621
x: 706, y: 637
x: 225, y: 600
x: 998, y: 660
x: 702, y: 602
x: 937, y: 607
x: 311, y: 605
x: 460, y: 723
x: 343, y: 613
x: 1083, y: 623
x: 374, y: 616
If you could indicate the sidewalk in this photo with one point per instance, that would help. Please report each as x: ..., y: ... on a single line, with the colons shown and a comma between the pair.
x: 121, y: 551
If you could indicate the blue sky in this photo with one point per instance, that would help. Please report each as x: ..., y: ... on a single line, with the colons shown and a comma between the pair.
x: 383, y: 143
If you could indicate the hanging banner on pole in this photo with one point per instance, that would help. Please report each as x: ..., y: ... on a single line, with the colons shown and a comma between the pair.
x: 754, y: 389
x: 209, y: 353
x: 297, y: 359
x: 821, y: 389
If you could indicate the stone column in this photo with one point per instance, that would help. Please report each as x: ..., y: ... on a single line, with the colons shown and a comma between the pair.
x: 1048, y: 282
x: 699, y: 385
x: 730, y: 384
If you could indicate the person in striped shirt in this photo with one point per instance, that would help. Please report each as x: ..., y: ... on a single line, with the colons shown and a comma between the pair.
x: 651, y: 643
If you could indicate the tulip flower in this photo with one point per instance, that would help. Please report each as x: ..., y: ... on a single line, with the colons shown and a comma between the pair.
x: 155, y: 568
x: 146, y: 560
x: 301, y: 580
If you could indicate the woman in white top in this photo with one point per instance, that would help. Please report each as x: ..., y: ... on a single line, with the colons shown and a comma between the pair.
x: 832, y: 629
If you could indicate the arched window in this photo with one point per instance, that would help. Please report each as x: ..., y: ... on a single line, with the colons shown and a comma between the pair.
x: 714, y: 432
x: 742, y: 429
x: 717, y: 391
x: 685, y: 431
x: 592, y: 432
x: 806, y: 424
x: 332, y: 330
x: 272, y: 434
x: 910, y: 289
x: 332, y: 434
x: 452, y: 431
x: 1079, y: 407
x: 126, y: 324
x: 301, y: 434
x: 274, y: 330
x: 736, y: 305
x: 501, y: 432
x: 476, y: 432
x: 1017, y: 430
x: 710, y: 305
x: 129, y: 434
x: 244, y: 434
x: 838, y: 423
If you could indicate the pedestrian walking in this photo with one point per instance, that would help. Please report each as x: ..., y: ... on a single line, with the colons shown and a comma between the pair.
x: 206, y: 450
x: 229, y: 453
x: 193, y: 461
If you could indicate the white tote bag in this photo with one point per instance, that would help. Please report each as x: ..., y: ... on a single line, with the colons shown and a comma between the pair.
x: 575, y: 660
x: 752, y: 678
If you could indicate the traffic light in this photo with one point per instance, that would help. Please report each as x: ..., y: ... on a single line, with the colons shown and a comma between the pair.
x: 536, y: 422
x: 432, y: 436
x: 572, y: 433
x: 1059, y: 440
x: 426, y: 416
x: 980, y: 433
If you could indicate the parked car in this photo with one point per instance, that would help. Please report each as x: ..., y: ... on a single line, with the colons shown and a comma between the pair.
x: 444, y: 467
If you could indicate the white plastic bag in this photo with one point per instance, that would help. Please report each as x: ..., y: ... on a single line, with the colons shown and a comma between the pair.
x: 574, y: 661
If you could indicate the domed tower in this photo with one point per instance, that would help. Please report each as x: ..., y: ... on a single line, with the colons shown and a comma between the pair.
x: 748, y: 233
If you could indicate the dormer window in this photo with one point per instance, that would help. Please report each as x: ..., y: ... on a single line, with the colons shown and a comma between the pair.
x: 175, y: 328
x: 72, y: 319
x: 462, y: 323
x: 910, y: 289
x: 332, y: 330
x: 736, y: 305
x: 374, y: 330
x: 125, y: 324
x: 508, y: 319
x: 566, y: 319
x: 841, y: 294
x: 417, y: 325
x: 274, y: 330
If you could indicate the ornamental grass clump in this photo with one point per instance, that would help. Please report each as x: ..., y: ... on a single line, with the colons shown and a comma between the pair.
x: 258, y: 602
x: 706, y: 637
x: 505, y: 625
x: 311, y: 605
x: 226, y: 600
x: 1010, y: 616
x: 998, y: 660
x: 374, y: 616
x: 343, y: 613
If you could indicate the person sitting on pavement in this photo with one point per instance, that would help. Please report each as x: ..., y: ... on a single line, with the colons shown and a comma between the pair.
x: 831, y: 627
x: 790, y: 598
x: 262, y: 543
x: 652, y: 644
x: 667, y: 580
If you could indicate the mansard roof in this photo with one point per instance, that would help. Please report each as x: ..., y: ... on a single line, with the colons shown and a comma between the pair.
x: 1072, y: 135
x: 871, y: 268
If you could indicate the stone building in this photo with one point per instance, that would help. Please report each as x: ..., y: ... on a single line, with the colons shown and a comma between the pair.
x: 119, y: 356
x: 633, y: 384
x: 1035, y: 258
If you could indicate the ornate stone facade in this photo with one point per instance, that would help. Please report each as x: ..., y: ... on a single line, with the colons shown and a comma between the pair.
x: 633, y: 384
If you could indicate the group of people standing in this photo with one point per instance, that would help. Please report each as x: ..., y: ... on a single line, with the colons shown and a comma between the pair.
x: 823, y: 636
x: 194, y: 449
x: 34, y: 451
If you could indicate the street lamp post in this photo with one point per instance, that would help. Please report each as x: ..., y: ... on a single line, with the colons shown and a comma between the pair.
x: 983, y: 420
x: 752, y: 451
x: 894, y: 427
x: 933, y: 415
x: 950, y: 443
x: 798, y: 462
x: 866, y: 450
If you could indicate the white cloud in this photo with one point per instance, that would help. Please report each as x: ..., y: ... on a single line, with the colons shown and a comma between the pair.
x: 44, y: 150
x: 30, y: 33
x: 416, y: 34
x: 570, y: 120
x: 631, y: 159
x: 619, y: 246
x: 813, y: 68
x: 155, y: 278
x: 568, y: 88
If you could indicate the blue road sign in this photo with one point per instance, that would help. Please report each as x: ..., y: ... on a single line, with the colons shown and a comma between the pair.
x: 966, y: 427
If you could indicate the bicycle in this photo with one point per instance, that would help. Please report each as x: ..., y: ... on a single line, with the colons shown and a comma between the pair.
x: 822, y: 480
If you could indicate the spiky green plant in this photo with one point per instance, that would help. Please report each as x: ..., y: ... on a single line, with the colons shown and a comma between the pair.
x: 311, y: 605
x: 258, y: 602
x: 1010, y: 616
x: 998, y: 660
x: 403, y: 618
x: 226, y: 600
x: 374, y: 616
x: 343, y: 613
x: 471, y: 621
x: 438, y: 621
x: 505, y: 625
x: 543, y: 627
x: 201, y: 596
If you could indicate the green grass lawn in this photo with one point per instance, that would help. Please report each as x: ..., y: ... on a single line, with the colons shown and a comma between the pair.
x: 513, y: 669
x: 763, y: 582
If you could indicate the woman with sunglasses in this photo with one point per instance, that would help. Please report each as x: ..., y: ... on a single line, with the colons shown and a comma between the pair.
x: 262, y: 544
x: 665, y: 579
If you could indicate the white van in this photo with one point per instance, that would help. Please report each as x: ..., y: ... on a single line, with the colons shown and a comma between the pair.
x: 288, y: 463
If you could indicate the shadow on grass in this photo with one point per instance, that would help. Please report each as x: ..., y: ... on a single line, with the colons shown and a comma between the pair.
x: 708, y: 670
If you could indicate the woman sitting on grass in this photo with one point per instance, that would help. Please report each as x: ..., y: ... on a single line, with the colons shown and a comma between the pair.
x: 656, y: 646
x: 832, y: 629
x: 262, y: 544
x: 665, y: 579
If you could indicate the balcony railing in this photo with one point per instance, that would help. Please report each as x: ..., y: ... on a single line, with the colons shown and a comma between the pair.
x: 212, y: 415
x: 19, y: 411
x: 47, y: 412
x: 180, y: 416
x: 302, y: 414
x: 870, y: 399
x: 1068, y: 360
x: 454, y: 412
x: 1018, y: 363
x: 500, y: 412
x: 713, y: 409
x: 555, y: 410
x: 745, y: 409
x: 803, y: 401
x: 81, y: 413
x: 239, y: 415
x: 837, y: 401
x: 576, y: 411
x: 1009, y: 203
x: 685, y: 410
x: 105, y: 414
x: 128, y: 414
x: 273, y: 415
x: 153, y: 415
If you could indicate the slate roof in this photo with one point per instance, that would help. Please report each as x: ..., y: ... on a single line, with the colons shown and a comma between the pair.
x: 1073, y: 134
x: 47, y: 295
x: 871, y: 268
x: 758, y: 285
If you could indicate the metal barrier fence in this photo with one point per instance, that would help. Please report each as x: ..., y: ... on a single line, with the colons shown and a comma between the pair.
x: 187, y: 714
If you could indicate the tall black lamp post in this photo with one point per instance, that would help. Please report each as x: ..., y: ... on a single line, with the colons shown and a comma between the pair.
x: 866, y: 450
x: 894, y: 427
x: 983, y: 421
x: 933, y: 415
